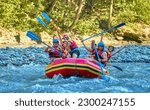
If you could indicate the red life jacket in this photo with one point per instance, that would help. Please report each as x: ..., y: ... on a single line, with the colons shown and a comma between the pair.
x: 99, y: 53
x: 57, y: 52
x: 74, y: 45
x: 109, y: 54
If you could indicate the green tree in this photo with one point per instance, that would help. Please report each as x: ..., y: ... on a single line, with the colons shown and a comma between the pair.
x: 79, y: 16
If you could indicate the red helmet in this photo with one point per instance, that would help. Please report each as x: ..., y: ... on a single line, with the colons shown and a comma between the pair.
x: 65, y: 37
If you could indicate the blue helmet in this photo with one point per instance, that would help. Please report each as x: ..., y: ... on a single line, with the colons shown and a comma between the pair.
x: 101, y: 44
x: 55, y: 40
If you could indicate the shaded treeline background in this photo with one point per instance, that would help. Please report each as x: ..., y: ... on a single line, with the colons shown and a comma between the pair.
x: 83, y: 17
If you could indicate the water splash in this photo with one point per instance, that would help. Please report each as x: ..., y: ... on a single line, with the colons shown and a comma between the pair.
x: 23, y: 70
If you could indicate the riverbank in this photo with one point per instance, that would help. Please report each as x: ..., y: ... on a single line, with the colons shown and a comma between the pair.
x: 122, y: 36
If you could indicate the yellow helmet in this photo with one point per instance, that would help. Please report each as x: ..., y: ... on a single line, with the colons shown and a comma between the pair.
x: 110, y: 45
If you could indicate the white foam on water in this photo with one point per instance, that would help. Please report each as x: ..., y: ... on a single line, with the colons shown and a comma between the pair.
x: 23, y: 70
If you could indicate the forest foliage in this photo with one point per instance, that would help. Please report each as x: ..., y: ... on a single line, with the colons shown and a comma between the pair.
x: 78, y: 16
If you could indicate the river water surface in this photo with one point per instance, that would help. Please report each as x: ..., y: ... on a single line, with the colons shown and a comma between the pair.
x: 22, y: 70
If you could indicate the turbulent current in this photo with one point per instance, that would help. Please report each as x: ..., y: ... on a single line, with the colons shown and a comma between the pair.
x: 22, y: 70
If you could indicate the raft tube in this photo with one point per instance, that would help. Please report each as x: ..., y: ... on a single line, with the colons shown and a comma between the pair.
x: 74, y: 67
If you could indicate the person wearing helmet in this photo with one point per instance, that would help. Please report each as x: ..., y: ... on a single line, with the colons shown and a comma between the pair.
x: 66, y: 49
x: 73, y: 48
x: 110, y: 51
x: 55, y: 52
x: 65, y: 37
x: 99, y: 54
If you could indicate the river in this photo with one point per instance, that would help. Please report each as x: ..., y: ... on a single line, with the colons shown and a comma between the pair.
x: 22, y: 70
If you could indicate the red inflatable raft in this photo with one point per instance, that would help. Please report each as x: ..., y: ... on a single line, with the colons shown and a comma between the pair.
x: 74, y: 67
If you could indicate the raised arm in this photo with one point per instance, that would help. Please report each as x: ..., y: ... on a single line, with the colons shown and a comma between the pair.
x: 60, y: 38
x: 101, y: 39
x: 87, y: 48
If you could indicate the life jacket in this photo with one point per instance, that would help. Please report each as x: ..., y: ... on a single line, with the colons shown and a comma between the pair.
x: 73, y: 45
x: 109, y: 54
x: 99, y: 53
x: 57, y: 52
x: 66, y: 49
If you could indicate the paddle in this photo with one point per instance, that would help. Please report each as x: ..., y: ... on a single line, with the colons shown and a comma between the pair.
x: 119, y: 50
x: 33, y: 36
x: 101, y: 33
x: 44, y: 14
x: 41, y: 21
x: 114, y: 54
x: 47, y: 17
x: 104, y: 77
x: 115, y: 67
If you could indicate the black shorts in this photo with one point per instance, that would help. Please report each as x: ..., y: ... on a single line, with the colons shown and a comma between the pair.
x: 75, y: 51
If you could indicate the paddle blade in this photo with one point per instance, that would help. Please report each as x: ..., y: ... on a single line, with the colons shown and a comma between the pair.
x: 118, y: 68
x: 33, y: 36
x: 119, y: 25
x: 115, y: 27
x: 45, y: 15
x: 41, y: 21
x: 104, y: 77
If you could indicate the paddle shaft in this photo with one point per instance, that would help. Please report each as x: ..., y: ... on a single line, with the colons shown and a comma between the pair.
x: 114, y: 54
x: 119, y: 25
x: 45, y: 44
x: 57, y: 29
x: 108, y: 64
x: 98, y: 60
x: 119, y: 50
x: 55, y: 26
x: 117, y: 67
x: 33, y: 36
